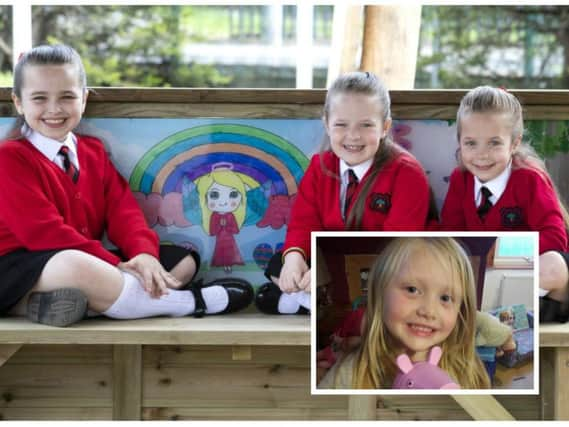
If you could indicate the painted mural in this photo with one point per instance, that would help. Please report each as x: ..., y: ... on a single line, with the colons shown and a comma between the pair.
x: 225, y: 187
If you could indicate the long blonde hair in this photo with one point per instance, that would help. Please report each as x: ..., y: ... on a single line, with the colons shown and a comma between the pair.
x: 375, y: 360
x: 487, y: 99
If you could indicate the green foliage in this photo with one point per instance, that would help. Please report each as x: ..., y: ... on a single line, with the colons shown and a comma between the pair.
x: 128, y: 45
x: 466, y: 46
x: 548, y: 137
x: 6, y: 79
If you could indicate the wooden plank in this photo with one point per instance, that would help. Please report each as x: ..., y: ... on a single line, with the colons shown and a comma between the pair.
x: 186, y: 110
x: 127, y: 382
x: 240, y: 413
x: 55, y: 385
x: 241, y: 352
x: 528, y: 97
x: 561, y: 385
x: 232, y: 329
x: 71, y: 355
x: 547, y: 382
x: 362, y: 407
x: 554, y: 335
x: 59, y: 414
x: 7, y: 351
x: 197, y: 356
x: 482, y: 407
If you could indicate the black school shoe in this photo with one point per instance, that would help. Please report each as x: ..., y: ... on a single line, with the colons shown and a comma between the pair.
x: 551, y: 310
x: 61, y: 307
x: 240, y: 294
x: 267, y: 300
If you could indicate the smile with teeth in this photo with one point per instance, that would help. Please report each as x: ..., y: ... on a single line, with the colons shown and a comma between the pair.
x: 354, y: 147
x: 53, y: 121
x: 423, y: 330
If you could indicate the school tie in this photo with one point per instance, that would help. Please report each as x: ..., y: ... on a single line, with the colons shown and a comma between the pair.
x: 350, y: 190
x: 70, y: 169
x: 486, y: 204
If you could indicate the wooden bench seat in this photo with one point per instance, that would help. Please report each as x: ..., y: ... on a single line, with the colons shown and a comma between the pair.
x: 234, y: 329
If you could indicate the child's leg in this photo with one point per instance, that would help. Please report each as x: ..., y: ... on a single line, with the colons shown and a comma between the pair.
x: 553, y: 280
x: 271, y: 300
x: 120, y: 295
x: 553, y: 274
x: 182, y: 263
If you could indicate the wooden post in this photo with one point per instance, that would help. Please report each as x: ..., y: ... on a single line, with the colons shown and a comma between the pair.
x: 346, y: 40
x: 127, y: 382
x: 390, y: 43
x: 561, y: 390
x: 481, y: 407
x: 361, y: 407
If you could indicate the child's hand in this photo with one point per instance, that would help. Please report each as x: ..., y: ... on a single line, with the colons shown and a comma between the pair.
x: 292, y: 272
x: 153, y: 277
x: 304, y: 284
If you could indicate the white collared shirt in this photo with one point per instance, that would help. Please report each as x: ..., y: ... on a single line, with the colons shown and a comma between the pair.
x: 360, y: 171
x: 50, y: 147
x: 497, y: 186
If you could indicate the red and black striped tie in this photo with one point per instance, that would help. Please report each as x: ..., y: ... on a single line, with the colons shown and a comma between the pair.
x: 350, y: 190
x: 70, y: 169
x: 486, y: 204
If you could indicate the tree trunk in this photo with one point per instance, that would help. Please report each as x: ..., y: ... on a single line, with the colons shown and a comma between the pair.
x: 390, y: 43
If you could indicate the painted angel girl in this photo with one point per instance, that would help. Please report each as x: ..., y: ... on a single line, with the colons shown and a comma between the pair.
x: 223, y: 201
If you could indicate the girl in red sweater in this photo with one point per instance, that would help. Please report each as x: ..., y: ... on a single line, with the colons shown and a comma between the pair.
x: 360, y: 180
x: 59, y: 194
x: 502, y: 185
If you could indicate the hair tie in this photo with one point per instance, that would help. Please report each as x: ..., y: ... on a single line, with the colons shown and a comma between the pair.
x: 222, y: 165
x: 20, y: 56
x: 504, y: 88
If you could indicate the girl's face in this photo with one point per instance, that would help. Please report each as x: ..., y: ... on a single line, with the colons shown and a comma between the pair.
x: 53, y: 99
x: 421, y: 304
x: 486, y: 144
x: 221, y: 198
x: 355, y: 127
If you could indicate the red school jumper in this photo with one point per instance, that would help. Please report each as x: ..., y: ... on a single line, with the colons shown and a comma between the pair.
x: 527, y: 204
x: 398, y: 200
x: 42, y: 209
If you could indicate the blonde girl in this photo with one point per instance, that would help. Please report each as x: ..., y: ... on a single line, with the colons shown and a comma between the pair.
x: 421, y: 294
x: 501, y: 184
x: 360, y: 180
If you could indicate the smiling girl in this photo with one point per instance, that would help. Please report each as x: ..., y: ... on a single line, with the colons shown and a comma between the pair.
x: 502, y: 185
x: 60, y: 193
x: 421, y: 294
x: 360, y: 180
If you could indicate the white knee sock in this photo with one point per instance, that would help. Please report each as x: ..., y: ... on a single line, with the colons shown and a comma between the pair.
x: 290, y: 303
x: 303, y: 299
x: 135, y: 303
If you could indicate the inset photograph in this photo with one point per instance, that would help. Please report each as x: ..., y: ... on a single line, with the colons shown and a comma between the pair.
x: 425, y: 313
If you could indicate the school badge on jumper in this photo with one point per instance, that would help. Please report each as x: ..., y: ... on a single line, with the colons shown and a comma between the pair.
x: 380, y: 202
x: 511, y: 217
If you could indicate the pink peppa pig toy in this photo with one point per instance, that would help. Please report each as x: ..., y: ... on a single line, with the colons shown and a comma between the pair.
x: 423, y: 375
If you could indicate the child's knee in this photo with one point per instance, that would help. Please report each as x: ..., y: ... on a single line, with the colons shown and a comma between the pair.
x: 553, y: 271
x: 74, y: 266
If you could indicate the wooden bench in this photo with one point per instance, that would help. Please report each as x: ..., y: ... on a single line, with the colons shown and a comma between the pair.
x: 167, y: 368
x: 243, y: 366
